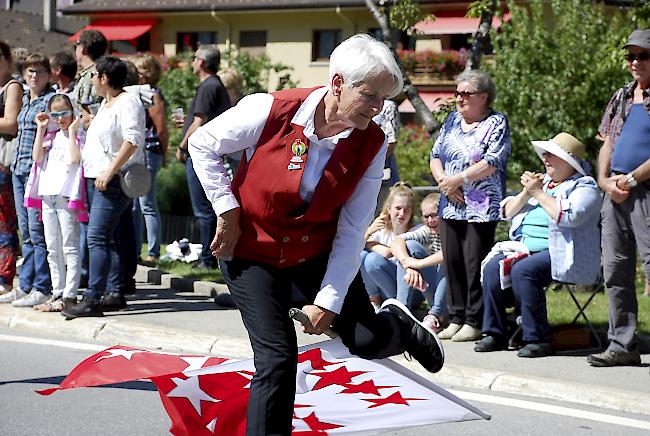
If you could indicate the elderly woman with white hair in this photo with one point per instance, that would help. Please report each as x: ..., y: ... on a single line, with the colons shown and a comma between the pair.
x: 295, y: 216
x: 468, y: 160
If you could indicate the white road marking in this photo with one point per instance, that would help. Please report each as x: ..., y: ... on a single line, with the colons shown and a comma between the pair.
x: 555, y: 410
x: 469, y: 396
x: 53, y: 342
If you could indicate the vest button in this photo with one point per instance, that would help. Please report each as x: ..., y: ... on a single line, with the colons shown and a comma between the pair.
x: 301, y: 260
x: 305, y: 238
x: 286, y: 239
x: 282, y: 260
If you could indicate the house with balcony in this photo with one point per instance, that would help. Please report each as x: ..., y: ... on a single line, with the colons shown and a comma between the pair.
x: 297, y: 33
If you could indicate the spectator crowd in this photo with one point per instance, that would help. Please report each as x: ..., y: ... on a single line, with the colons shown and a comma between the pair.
x: 75, y: 127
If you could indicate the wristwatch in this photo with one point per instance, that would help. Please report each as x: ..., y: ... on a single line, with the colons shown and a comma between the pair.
x: 631, y: 181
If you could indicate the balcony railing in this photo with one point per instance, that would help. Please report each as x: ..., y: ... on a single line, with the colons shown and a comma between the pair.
x: 429, y: 67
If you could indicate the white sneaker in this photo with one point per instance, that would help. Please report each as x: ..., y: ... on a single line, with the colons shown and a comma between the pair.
x: 450, y: 331
x: 467, y: 334
x: 12, y: 295
x: 32, y: 299
x: 5, y: 289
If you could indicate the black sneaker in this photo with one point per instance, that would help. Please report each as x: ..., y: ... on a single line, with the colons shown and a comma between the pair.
x: 85, y: 308
x: 423, y: 343
x: 112, y: 301
x: 490, y: 343
x: 536, y: 349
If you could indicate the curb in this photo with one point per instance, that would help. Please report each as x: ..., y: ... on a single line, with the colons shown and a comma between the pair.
x: 109, y: 332
x: 145, y: 274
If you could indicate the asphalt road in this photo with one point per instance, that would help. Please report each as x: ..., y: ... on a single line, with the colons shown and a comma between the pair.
x: 135, y: 409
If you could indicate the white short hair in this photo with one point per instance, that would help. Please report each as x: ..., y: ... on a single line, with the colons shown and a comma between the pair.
x: 361, y: 57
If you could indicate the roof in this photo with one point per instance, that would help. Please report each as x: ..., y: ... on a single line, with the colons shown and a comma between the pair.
x: 22, y: 29
x: 108, y: 6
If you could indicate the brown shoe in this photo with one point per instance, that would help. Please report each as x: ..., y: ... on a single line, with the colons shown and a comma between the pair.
x: 614, y: 358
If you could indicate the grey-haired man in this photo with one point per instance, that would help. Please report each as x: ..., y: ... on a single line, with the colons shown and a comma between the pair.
x: 624, y: 173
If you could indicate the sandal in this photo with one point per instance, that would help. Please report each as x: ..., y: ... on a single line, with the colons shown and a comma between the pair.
x: 51, y: 306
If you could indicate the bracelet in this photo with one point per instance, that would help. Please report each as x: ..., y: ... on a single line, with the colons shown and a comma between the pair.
x: 466, y: 179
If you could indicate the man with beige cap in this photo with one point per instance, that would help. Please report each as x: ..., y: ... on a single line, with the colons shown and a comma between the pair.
x: 623, y: 173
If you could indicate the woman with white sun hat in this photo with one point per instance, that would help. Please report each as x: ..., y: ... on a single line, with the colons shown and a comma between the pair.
x: 555, y: 218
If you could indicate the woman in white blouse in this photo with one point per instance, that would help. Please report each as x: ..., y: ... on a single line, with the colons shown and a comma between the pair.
x: 115, y: 135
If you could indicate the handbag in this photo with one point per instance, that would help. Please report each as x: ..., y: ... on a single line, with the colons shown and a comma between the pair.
x: 135, y: 179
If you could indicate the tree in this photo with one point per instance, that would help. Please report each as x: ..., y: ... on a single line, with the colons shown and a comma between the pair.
x: 556, y: 65
x: 486, y: 10
x: 409, y: 14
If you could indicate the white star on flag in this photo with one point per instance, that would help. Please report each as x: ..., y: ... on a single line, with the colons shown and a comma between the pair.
x: 190, y: 389
x: 194, y: 362
x: 118, y: 352
x: 211, y: 425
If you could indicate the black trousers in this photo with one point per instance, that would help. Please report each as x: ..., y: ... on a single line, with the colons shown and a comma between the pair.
x: 263, y: 295
x: 464, y: 246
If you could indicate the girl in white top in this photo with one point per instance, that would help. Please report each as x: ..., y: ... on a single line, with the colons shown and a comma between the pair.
x: 378, y: 265
x: 59, y: 185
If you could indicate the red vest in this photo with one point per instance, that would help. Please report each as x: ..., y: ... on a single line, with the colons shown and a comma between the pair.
x: 278, y: 227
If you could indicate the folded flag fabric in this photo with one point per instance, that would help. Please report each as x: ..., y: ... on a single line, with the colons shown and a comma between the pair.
x: 505, y: 269
x: 336, y: 393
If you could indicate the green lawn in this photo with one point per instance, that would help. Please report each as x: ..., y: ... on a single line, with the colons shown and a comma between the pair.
x: 561, y: 309
x: 183, y: 269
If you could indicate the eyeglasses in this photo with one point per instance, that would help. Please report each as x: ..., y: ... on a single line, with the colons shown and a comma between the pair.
x: 35, y: 72
x: 465, y: 94
x: 431, y: 215
x: 631, y: 57
x: 61, y: 114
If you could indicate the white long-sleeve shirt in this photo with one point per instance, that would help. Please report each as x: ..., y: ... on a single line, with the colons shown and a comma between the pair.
x: 240, y: 128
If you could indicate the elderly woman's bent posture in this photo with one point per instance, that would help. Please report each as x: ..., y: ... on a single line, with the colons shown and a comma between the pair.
x: 295, y: 215
x: 555, y: 217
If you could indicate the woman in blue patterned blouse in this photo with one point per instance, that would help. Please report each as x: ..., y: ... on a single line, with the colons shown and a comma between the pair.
x: 468, y: 161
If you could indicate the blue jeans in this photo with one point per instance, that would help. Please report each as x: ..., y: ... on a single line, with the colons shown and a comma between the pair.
x: 385, y: 278
x: 106, y: 209
x: 530, y: 276
x: 35, y: 272
x: 147, y: 205
x: 436, y: 293
x: 204, y: 213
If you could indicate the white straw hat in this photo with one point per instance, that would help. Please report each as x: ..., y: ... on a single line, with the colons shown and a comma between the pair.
x: 566, y: 147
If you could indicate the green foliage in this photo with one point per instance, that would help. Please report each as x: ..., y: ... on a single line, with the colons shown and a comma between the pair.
x: 477, y: 8
x: 556, y: 65
x: 255, y: 71
x: 172, y: 193
x: 405, y: 14
x: 412, y: 152
x: 178, y: 83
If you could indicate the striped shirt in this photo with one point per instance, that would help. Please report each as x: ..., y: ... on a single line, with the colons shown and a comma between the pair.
x: 27, y: 130
x: 429, y: 239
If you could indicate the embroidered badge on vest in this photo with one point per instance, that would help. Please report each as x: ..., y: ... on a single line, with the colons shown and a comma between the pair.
x: 298, y: 148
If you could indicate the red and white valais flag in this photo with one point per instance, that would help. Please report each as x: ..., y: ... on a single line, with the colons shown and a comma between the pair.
x: 336, y: 392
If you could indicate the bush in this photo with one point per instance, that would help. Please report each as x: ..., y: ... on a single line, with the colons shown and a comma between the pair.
x: 412, y: 152
x: 173, y: 195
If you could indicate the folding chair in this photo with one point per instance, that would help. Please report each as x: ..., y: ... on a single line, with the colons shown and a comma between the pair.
x: 591, y: 290
x: 571, y: 288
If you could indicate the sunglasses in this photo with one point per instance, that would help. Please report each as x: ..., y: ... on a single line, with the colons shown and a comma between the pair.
x: 643, y: 56
x: 35, y: 72
x: 61, y: 114
x: 465, y: 94
x: 431, y: 215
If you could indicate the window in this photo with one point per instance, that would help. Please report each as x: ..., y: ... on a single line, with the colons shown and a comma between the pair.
x: 324, y: 43
x: 190, y: 41
x: 252, y: 42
